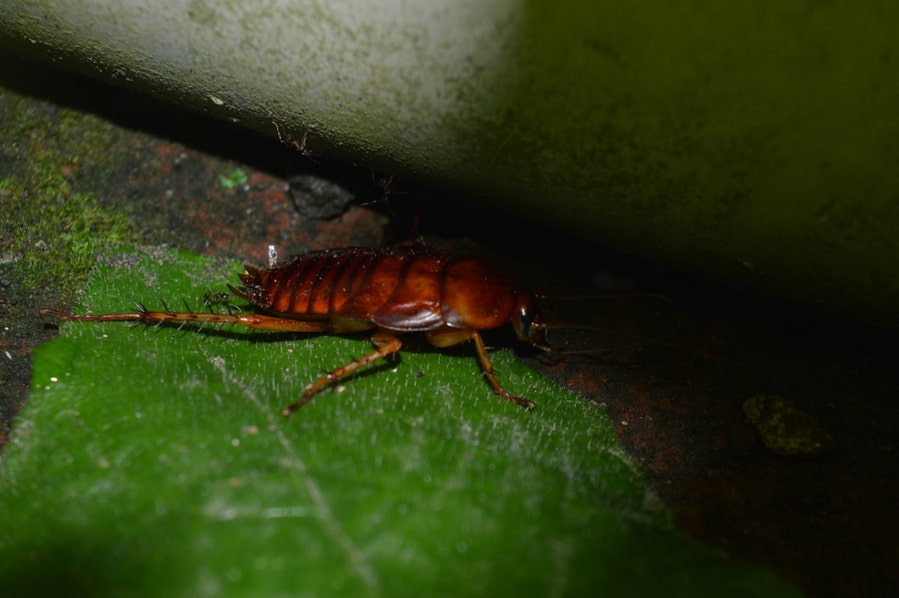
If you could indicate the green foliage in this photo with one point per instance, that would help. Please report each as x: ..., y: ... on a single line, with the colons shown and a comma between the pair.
x: 154, y: 461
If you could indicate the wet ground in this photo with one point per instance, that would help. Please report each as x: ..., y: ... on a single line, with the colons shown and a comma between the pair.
x: 808, y: 489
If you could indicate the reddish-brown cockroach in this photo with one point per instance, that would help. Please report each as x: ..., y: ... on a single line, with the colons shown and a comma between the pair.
x: 394, y: 290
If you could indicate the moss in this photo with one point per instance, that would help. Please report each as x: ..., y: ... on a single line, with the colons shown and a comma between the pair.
x: 50, y: 233
x: 55, y: 234
x: 786, y: 430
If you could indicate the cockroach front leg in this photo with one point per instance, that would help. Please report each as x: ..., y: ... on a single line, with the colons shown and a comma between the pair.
x: 386, y: 344
x: 447, y: 338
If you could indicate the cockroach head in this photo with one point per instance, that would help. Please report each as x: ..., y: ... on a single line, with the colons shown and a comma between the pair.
x: 526, y: 320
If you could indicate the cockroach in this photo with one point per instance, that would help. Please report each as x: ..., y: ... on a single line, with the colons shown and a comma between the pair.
x: 394, y: 290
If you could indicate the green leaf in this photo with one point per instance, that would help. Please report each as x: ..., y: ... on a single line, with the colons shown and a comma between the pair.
x: 154, y: 461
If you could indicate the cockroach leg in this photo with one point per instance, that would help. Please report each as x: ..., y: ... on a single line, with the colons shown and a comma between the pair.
x: 145, y: 316
x: 447, y: 338
x: 386, y: 344
x: 487, y: 365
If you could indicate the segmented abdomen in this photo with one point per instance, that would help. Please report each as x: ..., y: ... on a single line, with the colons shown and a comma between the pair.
x: 403, y: 288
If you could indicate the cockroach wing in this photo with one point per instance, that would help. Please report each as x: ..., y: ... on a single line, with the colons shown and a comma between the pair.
x: 415, y: 299
x: 414, y: 316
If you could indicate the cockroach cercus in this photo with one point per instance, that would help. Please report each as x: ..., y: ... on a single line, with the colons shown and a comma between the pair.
x: 393, y: 290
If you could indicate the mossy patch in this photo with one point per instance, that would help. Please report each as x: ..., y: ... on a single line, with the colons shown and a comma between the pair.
x: 53, y: 235
x: 50, y: 233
